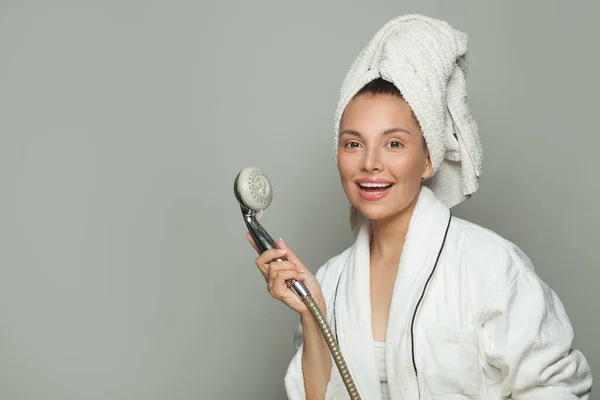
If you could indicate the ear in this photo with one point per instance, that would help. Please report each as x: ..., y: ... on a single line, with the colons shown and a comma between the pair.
x: 428, y: 170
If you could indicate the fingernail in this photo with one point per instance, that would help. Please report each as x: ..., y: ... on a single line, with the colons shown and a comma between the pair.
x: 303, y: 274
x: 282, y: 251
x: 281, y: 240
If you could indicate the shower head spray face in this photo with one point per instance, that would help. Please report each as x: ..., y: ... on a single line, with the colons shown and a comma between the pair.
x: 253, y: 189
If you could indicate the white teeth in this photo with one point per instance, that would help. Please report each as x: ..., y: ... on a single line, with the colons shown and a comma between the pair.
x: 375, y: 184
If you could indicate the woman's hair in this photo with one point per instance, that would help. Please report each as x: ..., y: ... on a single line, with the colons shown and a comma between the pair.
x: 380, y: 86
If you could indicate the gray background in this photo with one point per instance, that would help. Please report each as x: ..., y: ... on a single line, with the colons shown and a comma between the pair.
x: 124, y: 268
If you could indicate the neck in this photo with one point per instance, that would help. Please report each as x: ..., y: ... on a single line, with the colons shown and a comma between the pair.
x: 388, y: 237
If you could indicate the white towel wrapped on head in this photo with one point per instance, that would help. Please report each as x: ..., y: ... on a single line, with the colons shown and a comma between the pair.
x: 426, y: 59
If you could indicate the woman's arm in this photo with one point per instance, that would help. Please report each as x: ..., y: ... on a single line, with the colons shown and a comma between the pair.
x: 529, y: 338
x: 316, y: 358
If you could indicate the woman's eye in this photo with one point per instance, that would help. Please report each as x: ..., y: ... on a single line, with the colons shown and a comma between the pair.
x: 352, y: 145
x: 395, y: 144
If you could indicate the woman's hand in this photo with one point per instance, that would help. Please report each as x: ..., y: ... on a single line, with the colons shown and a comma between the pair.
x: 277, y: 273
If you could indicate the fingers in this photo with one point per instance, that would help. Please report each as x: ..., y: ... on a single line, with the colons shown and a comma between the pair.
x: 264, y: 261
x: 277, y: 267
x: 268, y: 255
x: 277, y: 283
x: 289, y: 253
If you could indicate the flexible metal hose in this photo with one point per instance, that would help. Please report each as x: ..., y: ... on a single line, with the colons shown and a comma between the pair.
x: 264, y: 241
x: 333, y: 347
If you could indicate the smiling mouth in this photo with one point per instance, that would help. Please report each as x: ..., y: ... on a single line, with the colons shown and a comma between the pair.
x: 374, y: 188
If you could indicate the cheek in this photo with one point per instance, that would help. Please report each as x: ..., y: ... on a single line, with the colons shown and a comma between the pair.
x: 346, y: 165
x: 406, y: 167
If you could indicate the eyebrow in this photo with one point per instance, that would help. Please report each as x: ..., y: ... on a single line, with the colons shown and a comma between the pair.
x: 385, y: 133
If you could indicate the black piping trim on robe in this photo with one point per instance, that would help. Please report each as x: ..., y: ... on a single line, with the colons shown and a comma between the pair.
x: 334, y: 301
x: 412, y: 324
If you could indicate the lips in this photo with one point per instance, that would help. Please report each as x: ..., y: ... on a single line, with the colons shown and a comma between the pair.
x: 372, y: 190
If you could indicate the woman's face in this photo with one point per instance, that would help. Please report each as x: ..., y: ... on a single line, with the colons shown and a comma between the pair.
x: 381, y: 155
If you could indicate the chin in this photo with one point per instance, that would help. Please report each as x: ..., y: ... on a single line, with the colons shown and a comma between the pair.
x: 392, y: 207
x: 375, y: 213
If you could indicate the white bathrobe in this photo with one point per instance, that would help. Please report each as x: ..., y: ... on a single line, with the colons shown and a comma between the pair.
x: 469, y: 319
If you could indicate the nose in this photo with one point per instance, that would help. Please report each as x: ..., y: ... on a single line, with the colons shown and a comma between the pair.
x: 372, y: 160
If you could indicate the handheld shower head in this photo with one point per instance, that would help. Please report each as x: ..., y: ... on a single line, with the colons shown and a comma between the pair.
x: 253, y: 189
x: 254, y: 192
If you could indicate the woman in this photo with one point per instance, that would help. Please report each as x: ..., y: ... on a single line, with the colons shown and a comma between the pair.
x: 423, y: 304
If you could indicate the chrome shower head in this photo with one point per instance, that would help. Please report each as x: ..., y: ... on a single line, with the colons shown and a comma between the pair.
x: 253, y: 189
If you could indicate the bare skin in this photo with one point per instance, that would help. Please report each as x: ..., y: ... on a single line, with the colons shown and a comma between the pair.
x: 379, y: 139
x: 316, y: 359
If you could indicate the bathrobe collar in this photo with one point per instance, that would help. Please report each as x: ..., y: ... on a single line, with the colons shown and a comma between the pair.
x: 352, y: 304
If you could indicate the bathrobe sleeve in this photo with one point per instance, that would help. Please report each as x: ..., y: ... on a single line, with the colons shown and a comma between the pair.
x: 528, y: 337
x: 294, y: 378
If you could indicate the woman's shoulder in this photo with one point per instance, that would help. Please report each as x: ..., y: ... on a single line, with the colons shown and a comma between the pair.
x: 487, y: 253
